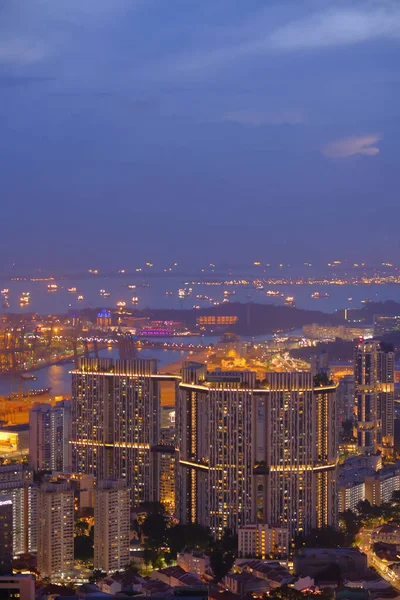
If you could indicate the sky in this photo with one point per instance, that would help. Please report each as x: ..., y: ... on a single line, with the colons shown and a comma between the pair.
x: 213, y: 130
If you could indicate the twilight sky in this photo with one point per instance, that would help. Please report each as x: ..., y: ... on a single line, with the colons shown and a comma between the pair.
x: 199, y: 130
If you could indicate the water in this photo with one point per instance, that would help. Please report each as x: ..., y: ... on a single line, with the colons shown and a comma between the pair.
x: 153, y: 294
x: 57, y: 377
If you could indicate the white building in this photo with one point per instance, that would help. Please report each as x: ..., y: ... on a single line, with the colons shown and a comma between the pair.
x: 350, y: 494
x: 111, y: 526
x: 49, y: 436
x: 55, y: 555
x: 260, y: 540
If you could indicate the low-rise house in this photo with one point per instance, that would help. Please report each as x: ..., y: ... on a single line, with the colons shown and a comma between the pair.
x: 244, y: 582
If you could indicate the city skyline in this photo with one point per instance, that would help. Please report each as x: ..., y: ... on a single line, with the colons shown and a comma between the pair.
x: 154, y: 123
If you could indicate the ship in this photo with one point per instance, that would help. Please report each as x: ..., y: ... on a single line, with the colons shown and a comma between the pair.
x: 135, y: 300
x: 25, y: 299
x: 38, y: 392
x: 289, y: 301
x: 121, y: 304
x: 272, y: 293
x: 72, y: 290
x: 80, y: 298
x: 319, y: 295
x: 132, y: 286
x: 52, y: 287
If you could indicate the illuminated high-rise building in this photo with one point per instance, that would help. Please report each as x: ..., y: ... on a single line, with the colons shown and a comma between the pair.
x: 255, y: 451
x: 16, y: 481
x: 49, y: 436
x: 374, y: 396
x: 55, y: 552
x: 112, y: 526
x: 6, y: 535
x: 116, y: 423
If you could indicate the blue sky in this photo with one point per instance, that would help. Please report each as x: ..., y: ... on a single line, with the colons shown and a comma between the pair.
x: 224, y: 130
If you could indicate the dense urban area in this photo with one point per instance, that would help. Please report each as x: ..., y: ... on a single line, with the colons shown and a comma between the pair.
x: 261, y: 461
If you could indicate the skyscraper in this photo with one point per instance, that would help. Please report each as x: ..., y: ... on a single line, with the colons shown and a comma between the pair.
x: 6, y: 535
x: 16, y: 481
x: 115, y: 422
x: 55, y: 552
x: 374, y: 396
x: 49, y: 436
x: 112, y: 526
x: 255, y: 451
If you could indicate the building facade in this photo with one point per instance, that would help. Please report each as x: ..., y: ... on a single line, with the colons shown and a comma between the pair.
x: 260, y: 540
x: 112, y: 526
x: 6, y: 535
x: 116, y: 423
x: 345, y: 398
x: 374, y: 397
x: 50, y: 429
x: 16, y: 481
x: 255, y: 452
x: 55, y: 552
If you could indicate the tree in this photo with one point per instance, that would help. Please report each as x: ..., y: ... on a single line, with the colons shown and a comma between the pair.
x: 221, y: 562
x: 97, y: 575
x: 83, y: 547
x: 81, y: 527
x: 325, y: 537
x: 192, y: 536
x: 351, y: 524
x: 223, y: 554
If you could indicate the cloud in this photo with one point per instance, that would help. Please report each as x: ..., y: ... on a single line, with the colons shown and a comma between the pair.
x: 352, y: 145
x: 258, y: 118
x: 338, y: 27
x: 330, y: 27
x: 22, y: 51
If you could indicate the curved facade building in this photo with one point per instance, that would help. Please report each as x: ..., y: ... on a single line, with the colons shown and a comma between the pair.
x: 255, y: 451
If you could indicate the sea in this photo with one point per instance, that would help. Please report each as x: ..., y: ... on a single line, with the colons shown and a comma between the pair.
x: 180, y: 292
x: 153, y: 292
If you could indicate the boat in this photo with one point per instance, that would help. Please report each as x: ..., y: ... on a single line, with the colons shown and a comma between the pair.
x: 168, y: 293
x: 105, y: 294
x: 30, y: 393
x: 5, y: 292
x: 25, y: 299
x: 135, y: 300
x: 80, y: 298
x: 272, y: 293
x: 121, y: 304
x: 39, y: 392
x: 366, y: 301
x: 319, y: 295
x: 132, y: 286
x: 52, y: 287
x: 72, y: 290
x: 289, y: 301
